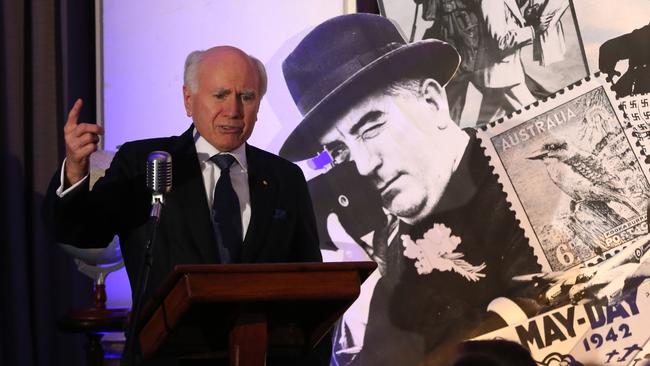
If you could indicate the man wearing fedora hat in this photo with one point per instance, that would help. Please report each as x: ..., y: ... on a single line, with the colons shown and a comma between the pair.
x: 449, y: 244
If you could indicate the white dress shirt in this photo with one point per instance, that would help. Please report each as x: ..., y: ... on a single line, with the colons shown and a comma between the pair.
x: 238, y: 176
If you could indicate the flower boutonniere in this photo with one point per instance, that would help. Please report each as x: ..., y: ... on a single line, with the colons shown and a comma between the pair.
x: 436, y: 251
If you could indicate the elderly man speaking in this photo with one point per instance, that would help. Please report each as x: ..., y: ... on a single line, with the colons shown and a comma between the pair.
x: 230, y: 202
x: 449, y: 244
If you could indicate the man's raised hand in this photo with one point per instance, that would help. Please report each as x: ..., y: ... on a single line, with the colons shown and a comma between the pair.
x: 81, y: 140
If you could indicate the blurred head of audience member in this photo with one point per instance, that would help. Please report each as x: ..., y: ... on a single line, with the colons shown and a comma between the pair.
x: 493, y: 353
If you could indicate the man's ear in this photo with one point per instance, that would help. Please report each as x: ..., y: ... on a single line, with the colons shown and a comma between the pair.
x: 433, y: 92
x: 435, y: 95
x: 187, y: 100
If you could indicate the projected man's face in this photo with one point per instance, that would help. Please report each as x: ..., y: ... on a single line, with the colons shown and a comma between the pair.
x: 400, y: 141
x: 226, y: 98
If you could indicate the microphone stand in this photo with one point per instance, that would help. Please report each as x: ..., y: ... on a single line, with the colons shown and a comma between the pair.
x: 130, y: 353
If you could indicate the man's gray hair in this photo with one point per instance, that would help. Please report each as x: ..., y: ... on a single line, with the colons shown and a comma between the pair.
x: 402, y: 86
x: 192, y: 66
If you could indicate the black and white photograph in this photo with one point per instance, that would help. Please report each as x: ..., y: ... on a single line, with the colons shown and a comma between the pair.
x: 514, y: 52
x: 374, y: 108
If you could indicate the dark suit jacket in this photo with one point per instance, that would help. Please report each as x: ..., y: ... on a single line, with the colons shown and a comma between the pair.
x: 282, y: 226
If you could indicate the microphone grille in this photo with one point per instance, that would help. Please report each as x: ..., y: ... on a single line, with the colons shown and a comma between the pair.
x: 159, y: 171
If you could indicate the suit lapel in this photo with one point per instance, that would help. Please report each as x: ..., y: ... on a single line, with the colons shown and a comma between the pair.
x: 262, y: 191
x: 189, y: 192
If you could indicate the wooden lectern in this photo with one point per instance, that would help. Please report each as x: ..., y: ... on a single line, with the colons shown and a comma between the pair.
x: 243, y: 311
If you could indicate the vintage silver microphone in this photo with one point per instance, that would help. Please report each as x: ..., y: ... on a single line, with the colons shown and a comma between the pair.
x: 159, y: 178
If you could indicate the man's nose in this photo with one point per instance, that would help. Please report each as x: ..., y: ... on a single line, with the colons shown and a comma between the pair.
x: 366, y: 160
x: 233, y: 106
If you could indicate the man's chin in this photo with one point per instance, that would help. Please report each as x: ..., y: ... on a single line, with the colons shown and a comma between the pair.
x: 228, y: 144
x: 410, y: 211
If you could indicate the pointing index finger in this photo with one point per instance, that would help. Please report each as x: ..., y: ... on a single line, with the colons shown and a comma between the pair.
x: 73, y: 115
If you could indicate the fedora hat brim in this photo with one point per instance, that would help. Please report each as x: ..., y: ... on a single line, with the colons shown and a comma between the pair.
x: 429, y: 58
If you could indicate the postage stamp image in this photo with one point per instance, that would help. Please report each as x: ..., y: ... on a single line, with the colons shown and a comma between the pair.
x: 636, y: 113
x: 572, y: 173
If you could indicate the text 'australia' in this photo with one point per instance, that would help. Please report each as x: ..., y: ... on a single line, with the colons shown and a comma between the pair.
x: 536, y: 127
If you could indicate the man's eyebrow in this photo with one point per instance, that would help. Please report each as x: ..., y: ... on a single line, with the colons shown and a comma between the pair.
x: 248, y: 92
x: 368, y: 117
x: 223, y: 91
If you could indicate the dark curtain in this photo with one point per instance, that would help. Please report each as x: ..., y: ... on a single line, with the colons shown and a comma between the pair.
x: 41, y: 40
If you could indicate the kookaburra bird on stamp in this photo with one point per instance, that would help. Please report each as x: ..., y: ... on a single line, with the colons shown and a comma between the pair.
x: 573, y: 174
